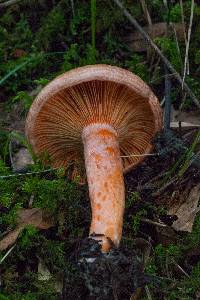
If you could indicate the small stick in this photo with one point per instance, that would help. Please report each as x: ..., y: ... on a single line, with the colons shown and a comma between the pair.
x: 188, y: 44
x: 148, y: 292
x: 138, y: 155
x: 163, y: 188
x: 163, y: 76
x: 8, y: 3
x: 153, y: 223
x: 167, y: 111
x: 179, y: 267
x: 7, y: 253
x: 146, y: 12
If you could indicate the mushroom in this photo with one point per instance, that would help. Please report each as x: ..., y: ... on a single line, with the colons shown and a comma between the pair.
x: 103, y: 118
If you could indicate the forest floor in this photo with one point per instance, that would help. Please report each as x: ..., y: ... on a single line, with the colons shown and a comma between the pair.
x: 160, y: 235
x: 45, y: 252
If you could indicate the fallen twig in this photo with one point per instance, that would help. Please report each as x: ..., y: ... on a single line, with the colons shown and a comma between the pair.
x: 7, y: 253
x: 163, y: 188
x: 154, y: 46
x: 167, y: 111
x: 8, y: 3
x: 147, y: 290
x: 180, y: 268
x: 153, y: 222
x: 146, y: 12
x: 188, y: 43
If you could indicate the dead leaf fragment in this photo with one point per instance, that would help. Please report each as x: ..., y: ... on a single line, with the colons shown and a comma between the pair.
x: 34, y: 216
x: 137, y: 42
x: 10, y: 238
x: 186, y: 211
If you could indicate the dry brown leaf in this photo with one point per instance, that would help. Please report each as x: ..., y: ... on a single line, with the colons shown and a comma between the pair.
x: 34, y: 216
x: 10, y: 238
x: 186, y: 211
x: 136, y: 40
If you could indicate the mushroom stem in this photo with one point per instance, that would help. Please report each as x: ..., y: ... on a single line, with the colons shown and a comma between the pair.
x: 106, y: 183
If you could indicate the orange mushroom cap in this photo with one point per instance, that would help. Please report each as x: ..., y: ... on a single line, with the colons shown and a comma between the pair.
x: 87, y: 95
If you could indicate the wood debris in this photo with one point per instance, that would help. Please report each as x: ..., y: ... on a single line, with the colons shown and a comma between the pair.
x: 186, y: 211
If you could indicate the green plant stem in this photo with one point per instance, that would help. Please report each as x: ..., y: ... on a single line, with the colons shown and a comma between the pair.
x: 183, y: 163
x: 20, y: 66
x: 189, y: 155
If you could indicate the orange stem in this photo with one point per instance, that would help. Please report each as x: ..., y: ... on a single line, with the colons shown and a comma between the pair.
x: 106, y: 182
